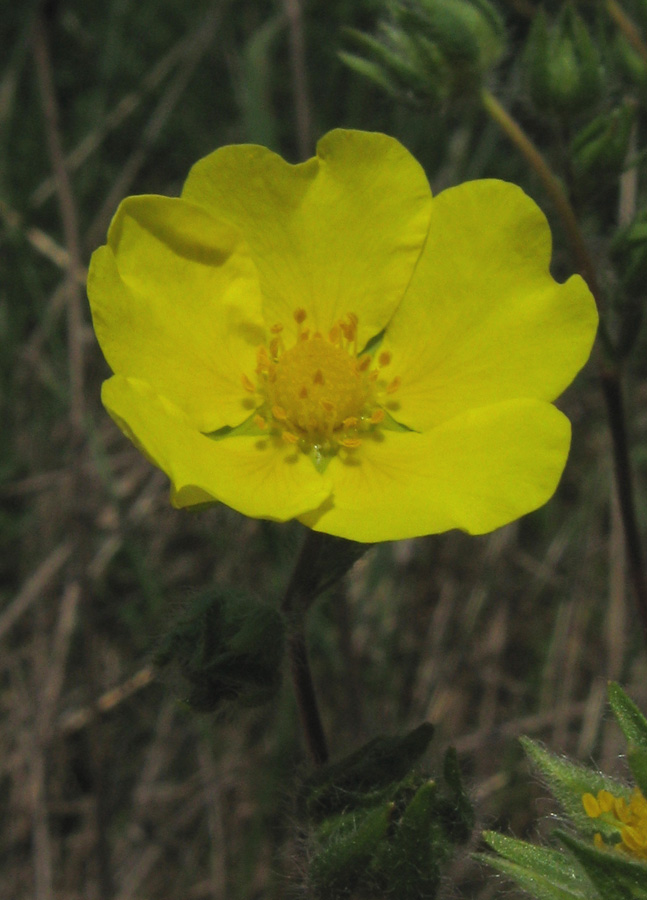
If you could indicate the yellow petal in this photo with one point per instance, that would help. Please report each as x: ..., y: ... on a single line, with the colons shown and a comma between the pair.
x: 339, y: 233
x: 483, y: 320
x: 254, y: 475
x: 175, y: 301
x: 476, y: 472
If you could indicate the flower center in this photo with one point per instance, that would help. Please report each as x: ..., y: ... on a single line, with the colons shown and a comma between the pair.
x: 319, y: 394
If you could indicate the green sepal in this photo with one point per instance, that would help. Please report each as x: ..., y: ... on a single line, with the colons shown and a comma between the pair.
x: 546, y: 874
x: 350, y: 844
x: 227, y: 648
x: 353, y: 781
x: 615, y: 876
x: 569, y: 782
x: 408, y: 865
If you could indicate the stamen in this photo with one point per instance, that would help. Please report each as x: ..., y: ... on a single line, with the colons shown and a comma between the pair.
x: 290, y: 438
x: 377, y: 417
x: 363, y: 364
x: 260, y: 422
x: 384, y: 359
x: 247, y: 384
x: 276, y: 329
x: 351, y: 443
x: 351, y: 422
x: 279, y: 413
x: 392, y: 387
x: 300, y: 316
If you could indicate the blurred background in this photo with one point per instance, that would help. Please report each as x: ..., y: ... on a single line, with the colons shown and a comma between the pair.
x: 109, y: 786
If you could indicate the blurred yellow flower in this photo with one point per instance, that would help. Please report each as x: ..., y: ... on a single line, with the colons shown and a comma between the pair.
x: 326, y: 342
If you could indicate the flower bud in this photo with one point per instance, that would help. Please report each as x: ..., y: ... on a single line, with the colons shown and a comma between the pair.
x: 431, y: 50
x: 562, y: 64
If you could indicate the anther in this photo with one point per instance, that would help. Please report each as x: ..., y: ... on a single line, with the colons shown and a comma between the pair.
x: 334, y: 334
x: 328, y: 406
x: 276, y: 329
x: 392, y: 387
x: 363, y: 363
x: 303, y: 393
x: 318, y: 377
x: 279, y: 413
x: 247, y: 384
x: 384, y: 359
x: 351, y: 443
x: 290, y: 438
x: 260, y: 422
x: 274, y: 347
x: 351, y: 422
x: 377, y: 417
x: 300, y: 316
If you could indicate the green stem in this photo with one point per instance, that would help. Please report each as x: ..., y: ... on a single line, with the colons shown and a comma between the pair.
x: 609, y: 374
x: 298, y: 597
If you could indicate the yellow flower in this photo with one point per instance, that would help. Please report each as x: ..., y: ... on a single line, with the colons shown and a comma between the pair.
x: 326, y: 342
x: 630, y: 819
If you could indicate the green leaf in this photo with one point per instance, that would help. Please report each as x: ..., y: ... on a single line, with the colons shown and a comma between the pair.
x: 629, y: 717
x: 569, y: 781
x: 547, y: 874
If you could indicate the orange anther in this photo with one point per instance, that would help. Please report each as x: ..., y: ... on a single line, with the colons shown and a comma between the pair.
x: 350, y: 422
x: 363, y: 363
x: 274, y: 347
x: 392, y: 387
x: 318, y: 377
x: 303, y: 393
x: 305, y: 334
x: 377, y: 417
x: 328, y: 406
x: 276, y: 329
x: 290, y: 438
x: 260, y: 422
x: 247, y: 384
x: 279, y: 413
x: 334, y: 334
x: 300, y: 316
x: 384, y: 359
x: 351, y: 443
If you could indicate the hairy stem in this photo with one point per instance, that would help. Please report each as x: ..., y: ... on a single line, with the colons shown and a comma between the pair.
x: 298, y: 597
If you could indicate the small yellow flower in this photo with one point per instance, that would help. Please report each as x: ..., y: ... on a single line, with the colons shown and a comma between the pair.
x: 630, y: 820
x: 326, y: 342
